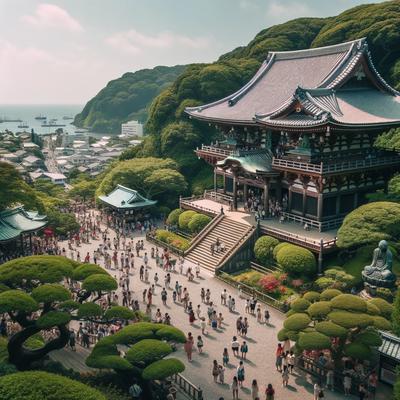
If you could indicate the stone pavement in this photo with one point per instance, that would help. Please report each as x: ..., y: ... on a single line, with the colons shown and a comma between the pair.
x: 261, y: 339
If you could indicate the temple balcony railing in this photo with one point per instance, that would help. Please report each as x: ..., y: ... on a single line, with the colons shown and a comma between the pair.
x: 333, y: 168
x: 214, y: 150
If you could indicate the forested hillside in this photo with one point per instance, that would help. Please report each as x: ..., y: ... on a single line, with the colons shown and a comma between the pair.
x: 126, y: 98
x: 172, y: 134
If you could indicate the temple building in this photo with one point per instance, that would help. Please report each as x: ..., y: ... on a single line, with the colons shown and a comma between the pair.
x: 16, y: 229
x: 126, y: 204
x: 301, y: 133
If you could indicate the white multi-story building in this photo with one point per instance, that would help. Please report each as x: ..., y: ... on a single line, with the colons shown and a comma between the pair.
x: 132, y: 128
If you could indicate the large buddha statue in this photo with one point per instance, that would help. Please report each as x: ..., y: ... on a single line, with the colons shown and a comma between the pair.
x: 379, y: 273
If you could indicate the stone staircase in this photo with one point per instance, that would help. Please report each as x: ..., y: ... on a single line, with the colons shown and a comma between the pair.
x: 228, y: 231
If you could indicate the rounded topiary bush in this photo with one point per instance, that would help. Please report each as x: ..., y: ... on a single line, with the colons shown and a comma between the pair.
x: 300, y: 305
x: 173, y: 217
x: 372, y: 309
x: 34, y: 385
x: 319, y: 310
x: 329, y: 294
x: 278, y: 248
x: 384, y: 307
x: 148, y: 351
x: 381, y: 323
x: 314, y: 341
x: 329, y: 328
x: 349, y: 302
x: 370, y: 338
x: 263, y: 249
x: 350, y: 319
x: 282, y: 335
x: 198, y: 222
x: 162, y: 369
x: 185, y: 218
x: 297, y: 322
x: 312, y: 296
x: 296, y: 260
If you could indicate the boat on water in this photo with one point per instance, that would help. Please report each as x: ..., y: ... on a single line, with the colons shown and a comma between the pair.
x: 66, y: 117
x: 41, y: 117
x: 82, y: 130
x: 24, y: 125
x: 52, y: 124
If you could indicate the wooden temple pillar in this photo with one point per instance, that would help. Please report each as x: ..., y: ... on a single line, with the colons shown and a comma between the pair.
x: 245, y: 192
x: 279, y: 190
x: 319, y: 207
x: 21, y: 241
x: 215, y: 180
x: 304, y: 202
x: 224, y: 182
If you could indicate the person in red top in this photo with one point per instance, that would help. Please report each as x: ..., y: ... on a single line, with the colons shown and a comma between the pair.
x: 278, y: 362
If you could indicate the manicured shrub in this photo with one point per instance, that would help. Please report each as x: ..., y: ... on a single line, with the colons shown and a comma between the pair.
x: 89, y: 310
x: 96, y: 282
x: 34, y: 385
x: 300, y: 305
x: 147, y: 351
x: 185, y: 218
x: 319, y: 310
x: 119, y: 312
x: 329, y: 328
x: 263, y: 249
x: 350, y: 319
x: 297, y: 322
x: 83, y: 271
x: 385, y: 293
x: 172, y: 239
x: 269, y: 283
x: 384, y: 307
x: 53, y: 318
x: 324, y: 282
x: 349, y: 302
x: 50, y: 292
x: 358, y: 350
x: 329, y: 294
x: 173, y: 217
x: 282, y: 335
x: 314, y: 341
x: 311, y: 296
x: 381, y: 323
x: 198, y: 222
x: 296, y: 260
x: 372, y: 309
x: 162, y: 369
x: 278, y: 248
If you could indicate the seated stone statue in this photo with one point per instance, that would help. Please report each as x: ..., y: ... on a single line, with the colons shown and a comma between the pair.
x: 379, y: 273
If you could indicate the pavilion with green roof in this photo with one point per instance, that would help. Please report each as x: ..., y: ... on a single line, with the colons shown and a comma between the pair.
x: 126, y: 203
x: 17, y: 223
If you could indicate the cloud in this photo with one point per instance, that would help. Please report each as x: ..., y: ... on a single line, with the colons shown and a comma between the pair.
x: 134, y: 42
x: 285, y: 11
x: 52, y: 16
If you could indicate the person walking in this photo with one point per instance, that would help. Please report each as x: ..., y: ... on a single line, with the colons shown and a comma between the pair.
x: 254, y: 390
x: 225, y: 357
x: 244, y: 348
x: 235, y: 388
x: 200, y: 344
x: 240, y: 373
x: 235, y: 346
x: 269, y: 392
x: 285, y: 376
x: 215, y: 371
x: 278, y: 360
x: 188, y: 346
x: 164, y: 296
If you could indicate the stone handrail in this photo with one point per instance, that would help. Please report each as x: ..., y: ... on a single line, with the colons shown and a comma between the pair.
x: 193, y: 391
x: 231, y: 252
x: 204, y: 232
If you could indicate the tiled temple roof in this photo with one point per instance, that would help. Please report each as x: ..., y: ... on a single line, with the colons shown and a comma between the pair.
x: 125, y: 198
x: 310, y: 81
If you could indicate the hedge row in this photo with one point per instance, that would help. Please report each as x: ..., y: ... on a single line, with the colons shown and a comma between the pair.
x: 173, y: 239
x: 188, y: 220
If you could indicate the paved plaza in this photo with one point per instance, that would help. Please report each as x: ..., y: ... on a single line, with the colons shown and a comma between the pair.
x: 261, y: 339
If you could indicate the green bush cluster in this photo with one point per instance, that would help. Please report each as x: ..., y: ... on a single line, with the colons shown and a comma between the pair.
x: 173, y: 217
x: 296, y: 260
x: 198, y: 222
x: 172, y: 239
x: 189, y: 220
x: 263, y: 249
x: 34, y: 385
x: 313, y: 322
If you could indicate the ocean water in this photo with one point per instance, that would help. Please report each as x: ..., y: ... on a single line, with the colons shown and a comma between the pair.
x: 27, y: 114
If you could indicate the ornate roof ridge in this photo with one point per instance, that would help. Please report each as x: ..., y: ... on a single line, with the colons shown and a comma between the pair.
x: 319, y: 51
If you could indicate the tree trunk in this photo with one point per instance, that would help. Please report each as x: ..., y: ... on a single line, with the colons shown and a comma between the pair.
x: 22, y: 357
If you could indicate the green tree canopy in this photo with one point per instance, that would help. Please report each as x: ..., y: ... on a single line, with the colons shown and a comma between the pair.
x: 349, y: 318
x: 152, y: 177
x: 148, y: 345
x: 34, y: 385
x: 263, y: 249
x: 370, y: 223
x: 37, y: 284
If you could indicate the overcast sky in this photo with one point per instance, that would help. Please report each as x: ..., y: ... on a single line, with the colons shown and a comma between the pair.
x: 66, y: 51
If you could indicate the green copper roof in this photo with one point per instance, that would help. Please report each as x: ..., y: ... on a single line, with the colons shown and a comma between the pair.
x: 252, y: 161
x: 15, y: 221
x: 127, y: 199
